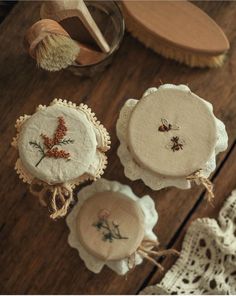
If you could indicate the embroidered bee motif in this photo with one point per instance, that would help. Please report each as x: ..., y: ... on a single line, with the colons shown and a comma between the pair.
x: 166, y: 126
x: 176, y: 144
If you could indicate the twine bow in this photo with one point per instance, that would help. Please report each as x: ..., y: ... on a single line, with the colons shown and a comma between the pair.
x: 60, y: 195
x: 199, y: 179
x: 145, y: 250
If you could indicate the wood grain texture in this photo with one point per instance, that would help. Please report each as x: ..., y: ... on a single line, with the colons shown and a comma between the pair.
x: 225, y: 183
x: 34, y: 254
x: 190, y: 28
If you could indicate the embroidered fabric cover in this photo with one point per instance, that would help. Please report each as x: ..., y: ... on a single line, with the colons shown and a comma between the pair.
x: 110, y: 225
x: 151, y: 133
x: 61, y: 143
x: 148, y: 214
x: 207, y: 264
x: 157, y: 139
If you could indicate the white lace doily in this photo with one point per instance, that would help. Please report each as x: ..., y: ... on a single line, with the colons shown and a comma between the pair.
x: 150, y: 218
x: 207, y: 264
x: 156, y: 182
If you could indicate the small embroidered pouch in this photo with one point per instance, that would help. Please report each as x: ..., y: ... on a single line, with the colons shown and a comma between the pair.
x: 111, y: 226
x: 169, y: 138
x: 59, y: 147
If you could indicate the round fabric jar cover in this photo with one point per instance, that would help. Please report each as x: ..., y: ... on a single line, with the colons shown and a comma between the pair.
x: 168, y: 135
x: 60, y: 146
x: 78, y: 141
x: 109, y: 223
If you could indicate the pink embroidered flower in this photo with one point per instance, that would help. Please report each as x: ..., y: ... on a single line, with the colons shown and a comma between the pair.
x: 103, y: 214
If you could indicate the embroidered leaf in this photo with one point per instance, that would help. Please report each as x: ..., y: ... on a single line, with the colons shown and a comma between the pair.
x: 38, y: 146
x: 66, y: 141
x: 110, y: 232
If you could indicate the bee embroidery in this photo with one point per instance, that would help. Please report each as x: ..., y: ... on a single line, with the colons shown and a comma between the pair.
x: 166, y: 126
x: 176, y: 144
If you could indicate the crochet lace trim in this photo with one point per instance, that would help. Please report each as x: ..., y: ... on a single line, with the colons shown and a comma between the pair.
x: 102, y: 136
x: 207, y: 264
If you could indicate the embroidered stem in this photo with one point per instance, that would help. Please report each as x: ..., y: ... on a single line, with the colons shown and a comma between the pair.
x: 111, y: 231
x: 40, y: 160
x: 199, y: 179
x: 50, y: 148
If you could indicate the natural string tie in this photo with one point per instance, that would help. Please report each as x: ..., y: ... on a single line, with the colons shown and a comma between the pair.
x: 61, y: 195
x: 199, y: 179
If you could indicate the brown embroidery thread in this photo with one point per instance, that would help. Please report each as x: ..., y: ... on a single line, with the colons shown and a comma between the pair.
x: 110, y: 231
x: 166, y: 126
x: 176, y: 144
x: 49, y: 149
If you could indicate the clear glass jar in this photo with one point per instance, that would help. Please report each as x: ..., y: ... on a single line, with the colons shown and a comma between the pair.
x: 109, y: 19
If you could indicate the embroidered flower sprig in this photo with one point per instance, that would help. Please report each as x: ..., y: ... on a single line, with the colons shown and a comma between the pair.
x: 110, y: 231
x: 49, y: 149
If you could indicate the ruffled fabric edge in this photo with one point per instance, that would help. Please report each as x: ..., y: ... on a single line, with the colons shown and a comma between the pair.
x: 150, y: 219
x: 156, y: 182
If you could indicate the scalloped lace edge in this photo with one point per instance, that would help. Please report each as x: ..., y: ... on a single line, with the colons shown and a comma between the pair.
x: 26, y: 177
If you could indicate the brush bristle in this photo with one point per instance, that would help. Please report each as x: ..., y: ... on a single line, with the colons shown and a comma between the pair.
x: 56, y: 52
x: 178, y: 54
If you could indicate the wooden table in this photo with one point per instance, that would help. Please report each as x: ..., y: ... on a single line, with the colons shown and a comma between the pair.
x: 34, y: 254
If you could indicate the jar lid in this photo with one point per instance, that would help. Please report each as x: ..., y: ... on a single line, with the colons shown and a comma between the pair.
x: 110, y: 225
x: 57, y: 144
x: 172, y: 132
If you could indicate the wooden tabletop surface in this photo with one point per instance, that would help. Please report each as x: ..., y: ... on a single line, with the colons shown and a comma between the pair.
x: 34, y: 254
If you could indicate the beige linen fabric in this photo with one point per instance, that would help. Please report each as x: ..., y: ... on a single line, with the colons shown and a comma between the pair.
x: 90, y: 141
x: 145, y: 204
x: 60, y: 146
x: 151, y: 147
x: 123, y: 212
x: 134, y: 170
x: 82, y: 149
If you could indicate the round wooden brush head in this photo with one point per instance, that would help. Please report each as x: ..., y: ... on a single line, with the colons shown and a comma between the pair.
x: 178, y: 30
x: 52, y: 47
x: 180, y: 24
x: 38, y: 31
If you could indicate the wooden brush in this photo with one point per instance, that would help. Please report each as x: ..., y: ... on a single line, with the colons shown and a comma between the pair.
x: 53, y: 49
x: 59, y: 10
x: 177, y: 30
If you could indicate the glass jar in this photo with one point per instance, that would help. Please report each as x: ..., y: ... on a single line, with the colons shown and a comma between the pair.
x: 109, y: 19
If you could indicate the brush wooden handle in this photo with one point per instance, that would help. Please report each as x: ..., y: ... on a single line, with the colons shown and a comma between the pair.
x: 59, y: 10
x: 39, y: 30
x: 179, y: 24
